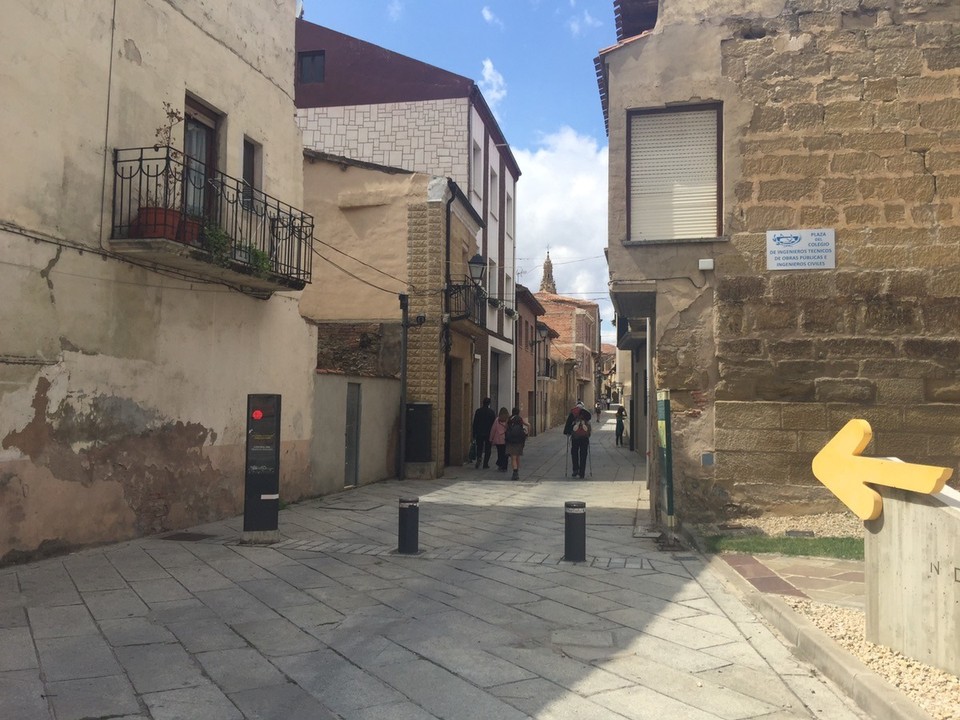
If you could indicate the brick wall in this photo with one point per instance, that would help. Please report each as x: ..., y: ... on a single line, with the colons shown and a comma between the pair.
x: 417, y: 136
x: 361, y: 349
x: 856, y: 126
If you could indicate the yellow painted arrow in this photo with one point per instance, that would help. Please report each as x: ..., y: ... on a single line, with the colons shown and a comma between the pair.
x: 839, y: 466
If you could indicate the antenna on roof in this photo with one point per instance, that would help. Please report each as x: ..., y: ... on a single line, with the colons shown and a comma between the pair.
x: 300, y: 9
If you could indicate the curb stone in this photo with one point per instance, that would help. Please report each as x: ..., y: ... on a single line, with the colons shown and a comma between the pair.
x: 873, y: 694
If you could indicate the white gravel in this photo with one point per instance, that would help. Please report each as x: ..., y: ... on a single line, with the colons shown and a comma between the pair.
x: 934, y: 690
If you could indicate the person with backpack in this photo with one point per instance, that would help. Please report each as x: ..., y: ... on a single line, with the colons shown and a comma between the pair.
x: 578, y: 429
x: 515, y: 436
x: 498, y: 433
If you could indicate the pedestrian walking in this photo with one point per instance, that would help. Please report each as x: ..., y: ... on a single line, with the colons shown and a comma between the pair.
x: 498, y: 433
x: 516, y: 436
x: 578, y: 429
x: 483, y: 420
x: 621, y: 422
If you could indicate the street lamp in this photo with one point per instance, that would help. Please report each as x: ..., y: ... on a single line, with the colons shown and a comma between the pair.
x: 478, y: 268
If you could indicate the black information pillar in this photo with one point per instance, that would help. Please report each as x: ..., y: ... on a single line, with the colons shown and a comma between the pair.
x: 261, y: 497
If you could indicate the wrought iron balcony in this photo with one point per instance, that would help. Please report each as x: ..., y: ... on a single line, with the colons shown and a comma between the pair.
x: 175, y: 212
x: 465, y: 301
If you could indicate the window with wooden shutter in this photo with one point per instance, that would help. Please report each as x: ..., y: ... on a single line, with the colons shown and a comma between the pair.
x: 674, y: 182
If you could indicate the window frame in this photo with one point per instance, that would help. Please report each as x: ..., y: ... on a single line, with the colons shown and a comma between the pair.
x: 717, y: 108
x: 312, y: 54
x: 197, y: 172
x: 476, y: 177
x: 252, y: 171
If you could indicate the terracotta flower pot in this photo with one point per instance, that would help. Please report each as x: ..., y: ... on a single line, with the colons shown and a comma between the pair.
x: 189, y: 231
x: 156, y: 222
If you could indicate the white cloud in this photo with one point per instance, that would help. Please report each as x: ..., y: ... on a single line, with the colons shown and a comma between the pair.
x: 395, y: 9
x: 562, y: 204
x: 489, y: 17
x: 493, y: 86
x: 578, y: 23
x: 589, y: 20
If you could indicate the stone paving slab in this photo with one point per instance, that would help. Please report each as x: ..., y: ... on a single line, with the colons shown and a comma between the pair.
x: 487, y: 622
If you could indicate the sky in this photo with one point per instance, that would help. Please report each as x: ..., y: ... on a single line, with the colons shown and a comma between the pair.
x: 533, y: 61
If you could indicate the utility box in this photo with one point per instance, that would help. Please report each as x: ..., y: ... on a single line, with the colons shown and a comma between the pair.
x: 261, y: 495
x: 419, y: 431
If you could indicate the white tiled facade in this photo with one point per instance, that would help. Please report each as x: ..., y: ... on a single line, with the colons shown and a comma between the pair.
x: 420, y: 136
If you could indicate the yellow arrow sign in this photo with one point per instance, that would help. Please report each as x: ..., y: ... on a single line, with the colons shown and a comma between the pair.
x: 839, y: 466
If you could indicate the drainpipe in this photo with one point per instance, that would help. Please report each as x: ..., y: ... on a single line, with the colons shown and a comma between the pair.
x: 404, y: 324
x: 453, y: 196
x: 533, y: 410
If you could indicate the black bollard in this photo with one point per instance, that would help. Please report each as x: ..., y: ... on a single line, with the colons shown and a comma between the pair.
x: 408, y: 542
x: 575, y: 531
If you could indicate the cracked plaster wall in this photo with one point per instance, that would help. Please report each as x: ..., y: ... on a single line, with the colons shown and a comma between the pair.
x: 124, y: 419
x: 123, y: 391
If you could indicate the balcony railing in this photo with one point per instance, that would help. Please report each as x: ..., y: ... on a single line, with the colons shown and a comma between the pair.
x: 160, y: 194
x: 466, y: 301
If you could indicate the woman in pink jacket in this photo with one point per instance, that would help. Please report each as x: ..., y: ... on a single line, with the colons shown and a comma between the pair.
x: 498, y: 438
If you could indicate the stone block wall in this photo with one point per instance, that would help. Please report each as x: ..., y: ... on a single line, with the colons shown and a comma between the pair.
x: 856, y: 127
x: 425, y: 349
x: 417, y: 136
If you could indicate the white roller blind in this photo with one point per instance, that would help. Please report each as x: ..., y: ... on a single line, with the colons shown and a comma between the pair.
x: 673, y: 175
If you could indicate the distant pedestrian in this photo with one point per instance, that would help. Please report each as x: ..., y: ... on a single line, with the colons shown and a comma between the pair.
x: 621, y: 422
x: 516, y: 436
x: 498, y: 433
x: 483, y: 420
x: 578, y: 429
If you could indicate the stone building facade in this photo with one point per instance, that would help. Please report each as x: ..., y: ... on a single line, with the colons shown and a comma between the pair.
x: 841, y: 115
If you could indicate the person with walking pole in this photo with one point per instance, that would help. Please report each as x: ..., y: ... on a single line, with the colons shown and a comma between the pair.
x: 578, y: 429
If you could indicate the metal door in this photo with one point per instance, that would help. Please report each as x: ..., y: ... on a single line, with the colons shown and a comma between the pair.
x: 351, y: 454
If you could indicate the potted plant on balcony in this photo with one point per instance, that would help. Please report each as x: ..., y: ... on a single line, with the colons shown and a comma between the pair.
x: 160, y: 211
x: 259, y: 262
x: 216, y: 242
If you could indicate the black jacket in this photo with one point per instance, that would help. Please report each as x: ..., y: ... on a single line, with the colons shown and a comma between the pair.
x: 482, y: 422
